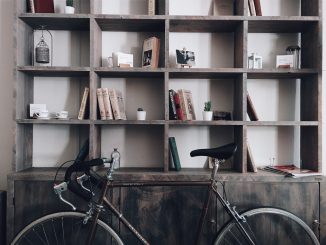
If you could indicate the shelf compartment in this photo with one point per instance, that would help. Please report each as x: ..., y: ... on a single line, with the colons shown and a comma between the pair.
x: 276, y: 24
x: 134, y: 23
x: 282, y: 123
x: 130, y: 72
x: 204, y: 23
x: 189, y: 138
x: 54, y: 71
x: 76, y: 22
x: 140, y: 146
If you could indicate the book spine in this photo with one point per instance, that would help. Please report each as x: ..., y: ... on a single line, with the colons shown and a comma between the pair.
x: 31, y: 6
x: 83, y: 104
x: 258, y: 7
x: 190, y: 105
x: 44, y: 6
x: 178, y: 106
x: 250, y: 160
x: 100, y: 101
x: 151, y: 7
x: 183, y: 103
x: 121, y: 105
x: 252, y: 7
x: 114, y: 104
x: 172, y: 106
x: 107, y: 104
x: 174, y: 153
x: 251, y: 109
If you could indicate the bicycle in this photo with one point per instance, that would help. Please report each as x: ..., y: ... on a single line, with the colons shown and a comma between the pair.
x: 87, y: 228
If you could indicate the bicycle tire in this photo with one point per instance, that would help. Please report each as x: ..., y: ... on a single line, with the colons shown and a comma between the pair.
x: 65, y: 228
x: 268, y: 226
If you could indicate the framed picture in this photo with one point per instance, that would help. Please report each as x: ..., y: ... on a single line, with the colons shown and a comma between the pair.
x: 185, y: 57
x: 151, y: 48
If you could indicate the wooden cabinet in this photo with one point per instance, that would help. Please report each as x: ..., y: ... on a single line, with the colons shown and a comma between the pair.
x: 168, y: 215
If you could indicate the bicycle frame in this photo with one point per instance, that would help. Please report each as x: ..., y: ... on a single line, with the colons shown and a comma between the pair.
x: 211, y: 188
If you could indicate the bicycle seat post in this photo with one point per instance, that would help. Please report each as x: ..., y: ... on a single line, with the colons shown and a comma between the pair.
x: 216, y: 163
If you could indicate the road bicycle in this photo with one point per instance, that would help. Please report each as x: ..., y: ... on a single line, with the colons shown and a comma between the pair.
x: 267, y: 225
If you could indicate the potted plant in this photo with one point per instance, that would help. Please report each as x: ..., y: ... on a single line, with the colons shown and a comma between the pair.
x: 207, y: 113
x: 69, y: 9
x: 141, y: 114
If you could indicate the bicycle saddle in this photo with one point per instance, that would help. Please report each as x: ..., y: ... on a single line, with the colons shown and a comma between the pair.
x: 222, y: 153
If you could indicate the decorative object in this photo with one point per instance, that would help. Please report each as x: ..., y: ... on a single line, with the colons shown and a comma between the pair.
x: 284, y: 61
x: 255, y: 61
x: 69, y: 9
x: 295, y: 52
x: 120, y: 59
x: 62, y: 115
x: 185, y: 58
x: 222, y: 115
x: 34, y: 109
x: 141, y: 114
x: 42, y: 50
x: 207, y: 113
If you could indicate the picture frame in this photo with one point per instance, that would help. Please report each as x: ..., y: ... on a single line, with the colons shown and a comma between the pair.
x: 185, y: 58
x: 150, y: 55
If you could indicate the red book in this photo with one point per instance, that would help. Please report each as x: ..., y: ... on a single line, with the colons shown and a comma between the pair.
x: 178, y: 107
x: 44, y: 6
x: 258, y: 7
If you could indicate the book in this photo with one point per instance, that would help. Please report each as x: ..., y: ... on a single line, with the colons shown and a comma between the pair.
x: 172, y: 107
x: 250, y: 160
x: 291, y: 171
x: 151, y: 49
x: 187, y: 104
x: 258, y: 7
x: 30, y: 6
x: 252, y: 7
x: 117, y: 104
x: 43, y: 6
x: 100, y: 102
x: 251, y: 109
x: 107, y: 104
x: 178, y: 107
x: 151, y: 7
x: 174, y: 153
x: 83, y: 104
x: 223, y: 7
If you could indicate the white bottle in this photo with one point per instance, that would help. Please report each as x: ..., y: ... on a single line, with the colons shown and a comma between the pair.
x: 115, y: 155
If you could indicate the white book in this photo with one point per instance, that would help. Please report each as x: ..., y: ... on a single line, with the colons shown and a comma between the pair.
x: 100, y: 101
x: 151, y: 7
x: 83, y: 104
x: 107, y: 104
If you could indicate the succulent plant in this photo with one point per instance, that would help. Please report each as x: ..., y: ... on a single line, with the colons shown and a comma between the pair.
x: 70, y: 3
x: 140, y: 109
x: 208, y: 106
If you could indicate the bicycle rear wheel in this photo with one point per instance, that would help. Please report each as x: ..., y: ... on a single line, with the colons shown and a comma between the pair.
x: 65, y: 228
x: 268, y: 226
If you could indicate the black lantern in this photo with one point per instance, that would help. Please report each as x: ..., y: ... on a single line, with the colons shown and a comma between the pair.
x: 42, y: 50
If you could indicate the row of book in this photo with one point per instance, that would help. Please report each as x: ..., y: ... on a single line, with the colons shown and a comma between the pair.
x: 110, y: 104
x: 254, y: 8
x: 181, y: 106
x: 40, y: 6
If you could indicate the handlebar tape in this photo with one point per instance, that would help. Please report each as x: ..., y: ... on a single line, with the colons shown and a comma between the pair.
x: 80, y: 167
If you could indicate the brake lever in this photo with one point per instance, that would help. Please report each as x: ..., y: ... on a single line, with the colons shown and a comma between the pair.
x: 81, y: 180
x: 58, y: 189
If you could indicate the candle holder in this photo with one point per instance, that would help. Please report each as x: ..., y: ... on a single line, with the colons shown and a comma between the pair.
x: 42, y: 51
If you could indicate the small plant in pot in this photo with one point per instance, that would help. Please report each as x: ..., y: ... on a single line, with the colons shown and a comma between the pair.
x: 69, y: 9
x: 207, y: 113
x: 141, y: 114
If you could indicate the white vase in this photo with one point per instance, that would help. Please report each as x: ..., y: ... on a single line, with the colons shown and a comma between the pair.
x: 141, y: 115
x: 69, y: 10
x: 207, y: 115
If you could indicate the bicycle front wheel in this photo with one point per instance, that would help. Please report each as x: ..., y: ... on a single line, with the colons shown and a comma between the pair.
x: 267, y: 226
x: 65, y: 228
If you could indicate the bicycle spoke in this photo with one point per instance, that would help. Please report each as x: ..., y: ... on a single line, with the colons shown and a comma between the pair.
x: 29, y: 241
x: 63, y: 232
x: 54, y: 232
x: 46, y: 238
x: 38, y: 236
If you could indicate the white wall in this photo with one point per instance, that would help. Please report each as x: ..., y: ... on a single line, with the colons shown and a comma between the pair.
x: 6, y: 72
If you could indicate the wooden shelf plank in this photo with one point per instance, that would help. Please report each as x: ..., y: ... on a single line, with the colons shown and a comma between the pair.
x: 280, y: 73
x: 206, y: 123
x: 280, y: 24
x: 131, y: 23
x: 54, y: 71
x: 72, y: 22
x: 282, y: 123
x: 208, y: 73
x: 130, y: 72
x: 53, y: 121
x: 129, y: 122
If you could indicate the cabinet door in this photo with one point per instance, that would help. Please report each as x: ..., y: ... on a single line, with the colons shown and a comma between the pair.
x: 301, y: 199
